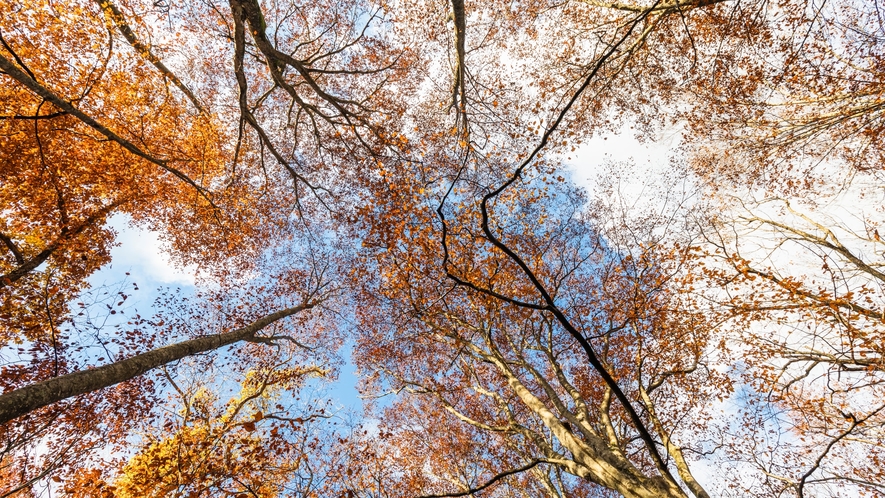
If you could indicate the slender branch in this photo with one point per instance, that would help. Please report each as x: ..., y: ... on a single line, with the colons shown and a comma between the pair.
x: 16, y: 252
x: 113, y: 15
x: 660, y: 6
x: 493, y: 480
x: 44, y: 116
x: 27, y: 266
x: 854, y: 423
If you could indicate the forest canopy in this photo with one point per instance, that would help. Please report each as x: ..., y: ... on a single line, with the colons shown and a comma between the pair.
x: 402, y: 185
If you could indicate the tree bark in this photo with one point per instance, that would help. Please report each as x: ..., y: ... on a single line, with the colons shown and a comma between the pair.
x: 21, y: 401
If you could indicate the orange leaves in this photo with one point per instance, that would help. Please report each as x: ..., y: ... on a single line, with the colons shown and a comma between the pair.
x: 523, y: 322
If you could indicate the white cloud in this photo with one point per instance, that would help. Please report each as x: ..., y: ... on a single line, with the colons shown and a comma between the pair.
x: 650, y: 155
x: 141, y: 253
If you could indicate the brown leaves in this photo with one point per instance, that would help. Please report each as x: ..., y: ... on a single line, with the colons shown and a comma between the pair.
x: 403, y: 168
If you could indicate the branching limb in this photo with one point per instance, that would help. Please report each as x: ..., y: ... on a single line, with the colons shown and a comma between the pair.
x: 274, y: 341
x: 13, y: 248
x: 17, y: 74
x: 490, y: 482
x: 27, y: 399
x: 113, y: 15
x: 800, y: 488
x: 27, y: 266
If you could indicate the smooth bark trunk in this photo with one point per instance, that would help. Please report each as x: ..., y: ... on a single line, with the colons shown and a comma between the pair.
x: 21, y: 401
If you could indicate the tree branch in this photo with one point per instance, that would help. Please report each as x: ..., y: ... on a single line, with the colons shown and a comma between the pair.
x: 493, y: 480
x: 113, y: 15
x: 27, y: 399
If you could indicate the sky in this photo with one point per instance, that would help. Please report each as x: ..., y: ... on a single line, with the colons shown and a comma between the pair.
x: 141, y: 253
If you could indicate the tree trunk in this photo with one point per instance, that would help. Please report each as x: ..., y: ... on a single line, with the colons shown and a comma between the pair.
x: 27, y: 399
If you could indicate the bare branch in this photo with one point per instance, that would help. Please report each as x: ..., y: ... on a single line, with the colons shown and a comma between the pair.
x: 493, y: 480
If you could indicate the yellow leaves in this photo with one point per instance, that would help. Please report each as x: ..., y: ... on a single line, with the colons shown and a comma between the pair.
x: 221, y: 447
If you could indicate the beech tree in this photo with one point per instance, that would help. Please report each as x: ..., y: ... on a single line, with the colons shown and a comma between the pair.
x: 480, y: 245
x: 394, y: 175
x: 496, y: 359
x: 107, y: 112
x: 799, y: 240
x: 806, y: 290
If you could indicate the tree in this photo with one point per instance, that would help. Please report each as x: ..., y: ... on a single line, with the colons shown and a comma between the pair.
x: 487, y: 261
x: 799, y: 109
x: 92, y: 128
x: 798, y: 237
x: 403, y: 164
x: 807, y: 289
x: 248, y: 445
x: 479, y: 243
x: 487, y: 353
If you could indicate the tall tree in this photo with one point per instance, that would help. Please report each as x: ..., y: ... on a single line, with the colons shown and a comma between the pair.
x: 405, y: 163
x: 142, y: 109
x: 481, y: 193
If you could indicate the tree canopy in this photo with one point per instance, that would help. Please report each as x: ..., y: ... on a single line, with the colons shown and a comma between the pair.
x: 397, y: 183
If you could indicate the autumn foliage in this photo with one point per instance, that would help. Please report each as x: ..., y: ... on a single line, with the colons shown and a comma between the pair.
x: 404, y: 185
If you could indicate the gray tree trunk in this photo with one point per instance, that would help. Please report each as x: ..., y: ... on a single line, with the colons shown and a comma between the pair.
x: 21, y: 401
